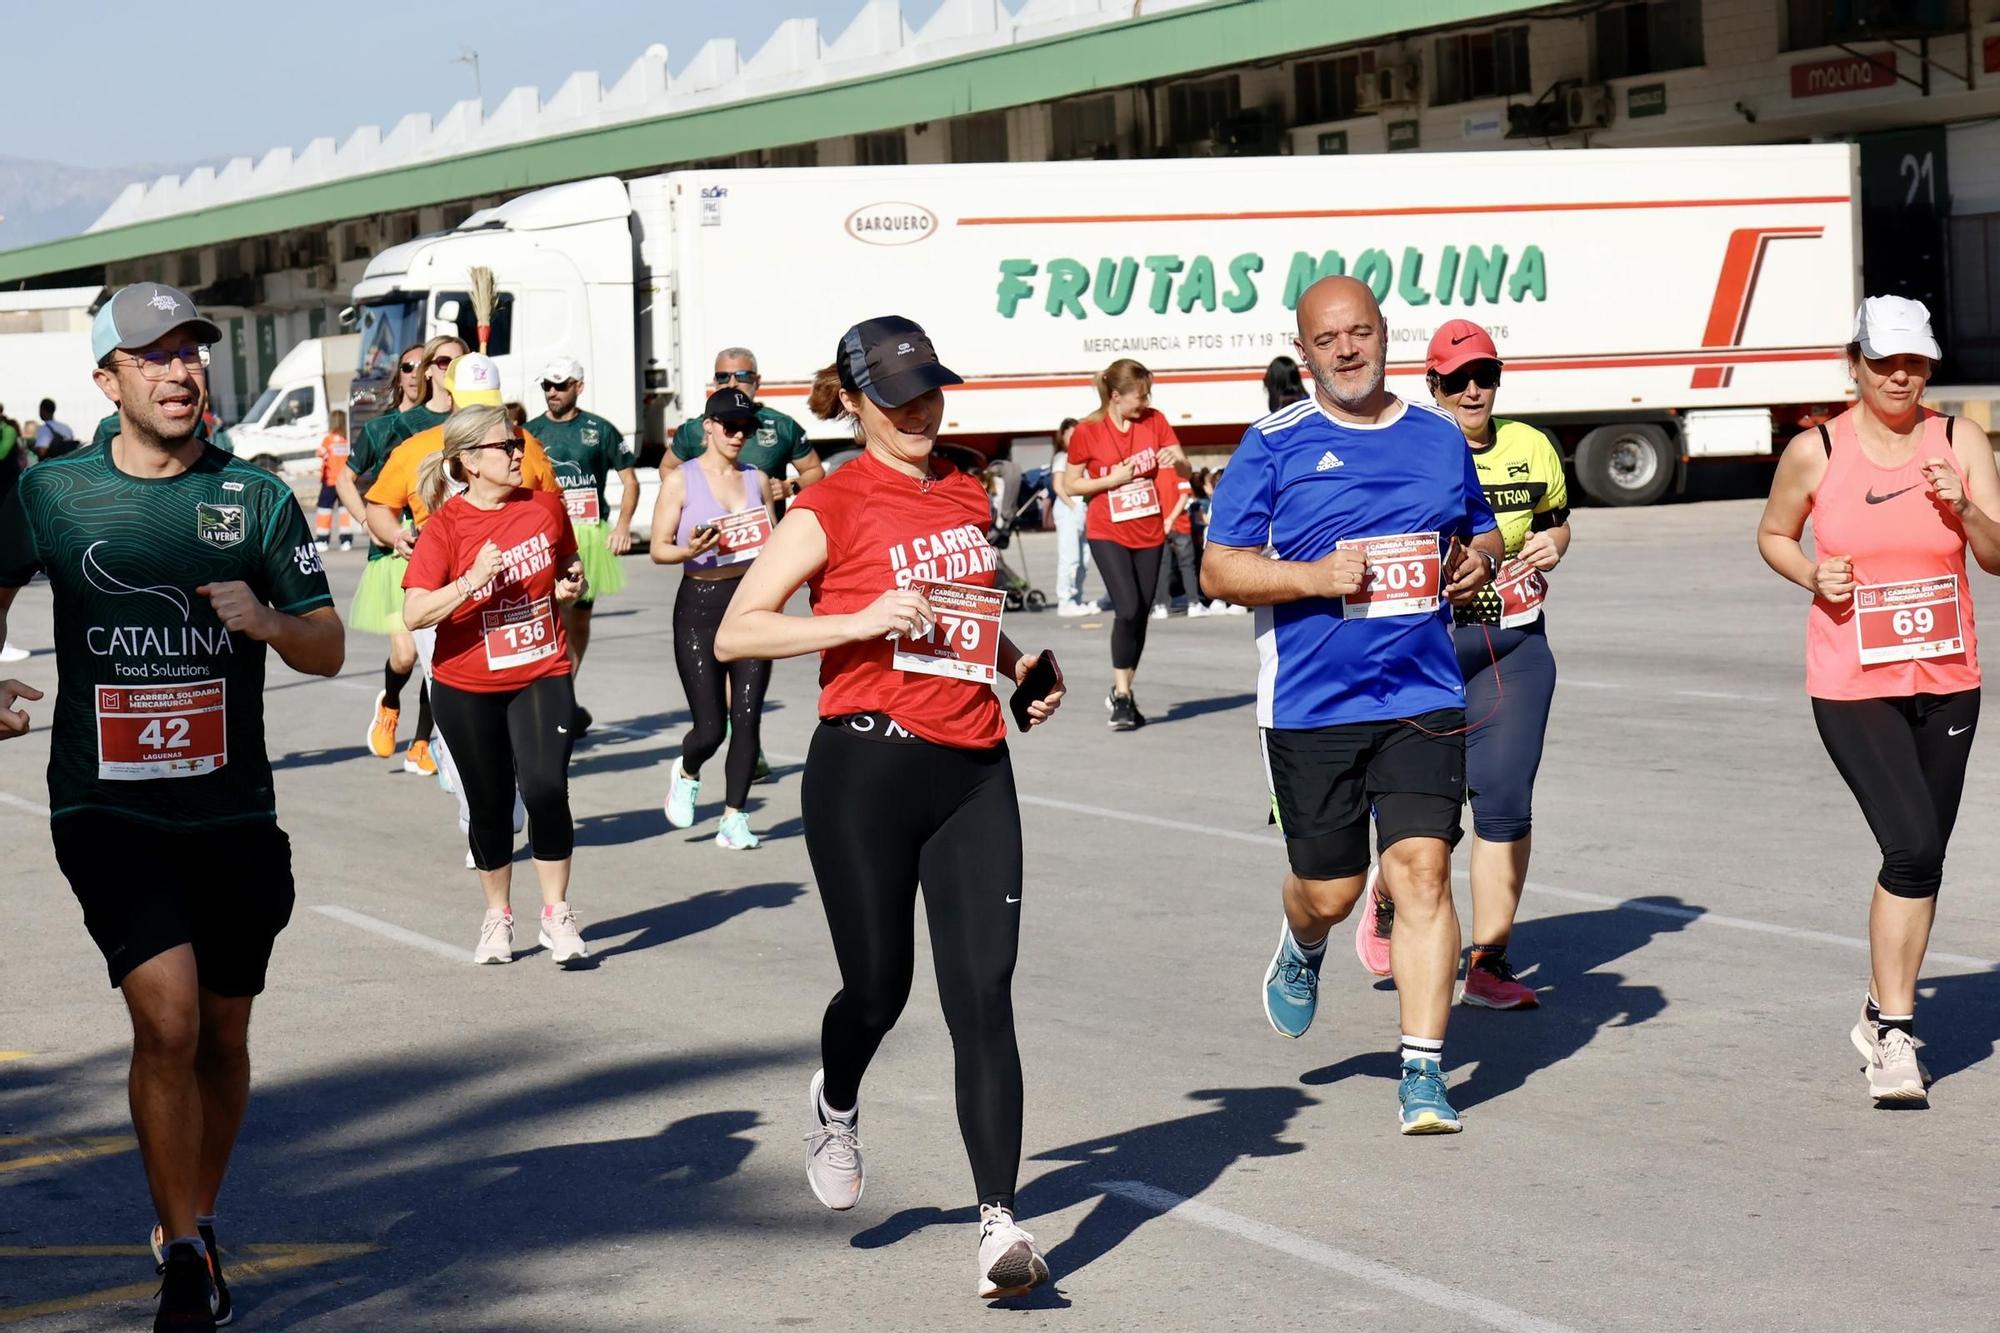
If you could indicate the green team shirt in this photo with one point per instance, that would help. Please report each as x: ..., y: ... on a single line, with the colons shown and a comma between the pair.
x: 159, y: 712
x: 778, y: 440
x: 375, y: 441
x: 585, y: 450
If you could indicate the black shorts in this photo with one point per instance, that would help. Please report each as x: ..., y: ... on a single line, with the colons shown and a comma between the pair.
x: 144, y: 890
x: 1325, y: 781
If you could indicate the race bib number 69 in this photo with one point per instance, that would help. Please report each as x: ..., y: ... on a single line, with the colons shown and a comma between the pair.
x: 1402, y: 578
x: 964, y: 639
x: 1900, y: 622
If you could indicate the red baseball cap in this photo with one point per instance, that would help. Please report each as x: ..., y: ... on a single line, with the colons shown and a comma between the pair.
x: 1458, y: 343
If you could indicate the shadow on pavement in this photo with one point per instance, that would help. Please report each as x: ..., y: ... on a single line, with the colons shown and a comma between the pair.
x: 705, y: 911
x: 1221, y: 703
x: 1578, y: 1000
x: 318, y: 758
x: 1958, y: 1021
x: 1184, y: 1155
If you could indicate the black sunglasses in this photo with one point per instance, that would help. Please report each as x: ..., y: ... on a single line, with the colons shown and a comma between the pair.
x: 552, y: 386
x: 407, y: 367
x: 1486, y: 374
x: 735, y: 427
x: 740, y: 376
x: 514, y: 445
x: 443, y: 362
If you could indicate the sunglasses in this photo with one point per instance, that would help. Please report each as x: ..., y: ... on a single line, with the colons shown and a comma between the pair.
x: 734, y: 427
x: 556, y: 386
x: 513, y: 445
x: 443, y: 362
x: 1486, y: 374
x: 739, y: 376
x: 407, y: 367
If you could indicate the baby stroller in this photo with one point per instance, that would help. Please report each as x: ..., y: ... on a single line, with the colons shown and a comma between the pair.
x: 1009, y: 506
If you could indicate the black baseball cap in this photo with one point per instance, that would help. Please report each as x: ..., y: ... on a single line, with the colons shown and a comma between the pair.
x: 890, y: 359
x: 730, y: 405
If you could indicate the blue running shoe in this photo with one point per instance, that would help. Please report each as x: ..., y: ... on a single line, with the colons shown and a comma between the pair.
x: 1291, y: 986
x: 1425, y: 1110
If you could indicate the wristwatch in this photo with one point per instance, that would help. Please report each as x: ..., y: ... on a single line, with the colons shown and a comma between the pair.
x: 1492, y: 564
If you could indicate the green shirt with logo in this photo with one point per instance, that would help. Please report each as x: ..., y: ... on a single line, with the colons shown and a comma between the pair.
x: 585, y: 450
x: 159, y: 712
x: 778, y: 440
x: 375, y: 441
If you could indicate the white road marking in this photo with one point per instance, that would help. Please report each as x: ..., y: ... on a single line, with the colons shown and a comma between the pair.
x: 1589, y: 684
x: 32, y: 807
x: 390, y: 931
x: 1370, y: 1271
x: 1725, y: 694
x: 1688, y: 914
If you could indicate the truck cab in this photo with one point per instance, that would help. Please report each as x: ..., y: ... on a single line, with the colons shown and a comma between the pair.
x: 282, y: 430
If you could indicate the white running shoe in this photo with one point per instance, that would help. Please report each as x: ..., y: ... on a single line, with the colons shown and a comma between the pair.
x: 1070, y: 610
x: 1159, y: 613
x: 560, y: 936
x: 1009, y: 1263
x: 833, y: 1152
x: 9, y: 653
x: 1196, y: 608
x: 1232, y: 609
x: 496, y: 937
x: 470, y: 864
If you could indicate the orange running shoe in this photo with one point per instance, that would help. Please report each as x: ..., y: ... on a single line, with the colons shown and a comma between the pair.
x: 382, y: 731
x: 417, y: 759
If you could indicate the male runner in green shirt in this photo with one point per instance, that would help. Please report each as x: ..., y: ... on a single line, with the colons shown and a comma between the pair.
x: 172, y: 567
x: 777, y: 441
x: 585, y: 449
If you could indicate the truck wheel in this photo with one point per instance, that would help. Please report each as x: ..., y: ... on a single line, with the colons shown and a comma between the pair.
x: 1626, y: 465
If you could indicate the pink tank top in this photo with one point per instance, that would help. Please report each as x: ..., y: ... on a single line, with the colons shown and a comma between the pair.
x: 1885, y: 521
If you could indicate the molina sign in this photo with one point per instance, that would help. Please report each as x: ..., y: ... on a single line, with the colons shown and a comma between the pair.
x: 1849, y: 74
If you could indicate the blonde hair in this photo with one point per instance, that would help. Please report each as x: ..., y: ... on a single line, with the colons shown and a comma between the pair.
x: 1122, y: 376
x: 464, y: 430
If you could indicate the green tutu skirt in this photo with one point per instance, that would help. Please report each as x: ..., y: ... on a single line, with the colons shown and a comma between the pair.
x: 378, y: 600
x: 593, y: 547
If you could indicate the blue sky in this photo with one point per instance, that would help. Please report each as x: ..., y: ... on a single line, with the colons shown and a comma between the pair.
x: 106, y: 84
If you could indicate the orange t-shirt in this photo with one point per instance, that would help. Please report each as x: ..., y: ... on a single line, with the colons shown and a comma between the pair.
x: 396, y: 484
x: 332, y: 454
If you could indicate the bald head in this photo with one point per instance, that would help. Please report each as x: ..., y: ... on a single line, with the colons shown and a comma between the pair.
x: 1342, y: 340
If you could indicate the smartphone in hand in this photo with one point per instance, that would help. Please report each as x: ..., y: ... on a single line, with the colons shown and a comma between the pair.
x: 1040, y: 680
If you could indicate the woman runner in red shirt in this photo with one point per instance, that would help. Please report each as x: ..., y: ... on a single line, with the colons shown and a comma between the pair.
x: 488, y: 571
x: 908, y: 780
x: 1895, y: 494
x: 1125, y: 459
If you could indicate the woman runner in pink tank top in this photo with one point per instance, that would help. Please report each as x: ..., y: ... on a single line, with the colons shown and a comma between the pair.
x: 1896, y: 494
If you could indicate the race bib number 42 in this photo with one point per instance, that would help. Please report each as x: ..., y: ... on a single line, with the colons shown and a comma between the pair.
x: 518, y: 634
x: 964, y: 639
x: 1900, y: 622
x: 1402, y: 577
x: 739, y: 537
x: 581, y: 502
x: 161, y: 731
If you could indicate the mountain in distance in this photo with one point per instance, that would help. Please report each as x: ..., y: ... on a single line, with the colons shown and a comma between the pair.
x: 46, y: 201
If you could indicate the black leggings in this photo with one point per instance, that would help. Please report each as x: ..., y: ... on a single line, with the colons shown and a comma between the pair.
x: 1130, y: 577
x: 698, y: 609
x: 882, y: 816
x: 1510, y: 680
x: 506, y: 740
x: 1904, y: 760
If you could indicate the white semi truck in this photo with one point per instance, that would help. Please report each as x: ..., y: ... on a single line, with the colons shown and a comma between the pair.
x: 283, y: 428
x: 1653, y: 306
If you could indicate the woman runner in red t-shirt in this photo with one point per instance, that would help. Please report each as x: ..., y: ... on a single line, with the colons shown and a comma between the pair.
x: 1124, y: 458
x: 488, y: 571
x: 908, y: 780
x: 1896, y: 494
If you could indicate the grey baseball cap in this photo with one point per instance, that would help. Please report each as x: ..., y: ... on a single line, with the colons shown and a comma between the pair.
x: 143, y: 311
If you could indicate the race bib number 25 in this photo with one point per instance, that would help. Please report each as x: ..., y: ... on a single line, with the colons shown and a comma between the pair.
x: 964, y: 639
x: 1402, y: 577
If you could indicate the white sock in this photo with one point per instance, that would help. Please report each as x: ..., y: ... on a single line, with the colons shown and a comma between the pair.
x: 1311, y: 951
x: 1423, y: 1048
x: 848, y: 1117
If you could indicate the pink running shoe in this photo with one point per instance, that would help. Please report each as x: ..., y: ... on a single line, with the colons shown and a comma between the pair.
x: 1371, y: 929
x: 1491, y: 985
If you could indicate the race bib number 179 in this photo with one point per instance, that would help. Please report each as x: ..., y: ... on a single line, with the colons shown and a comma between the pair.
x: 964, y: 639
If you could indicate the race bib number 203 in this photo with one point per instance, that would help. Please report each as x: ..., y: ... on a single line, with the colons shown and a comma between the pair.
x: 1402, y: 577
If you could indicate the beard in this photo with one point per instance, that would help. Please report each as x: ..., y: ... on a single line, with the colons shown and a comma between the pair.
x: 1355, y: 399
x: 145, y: 414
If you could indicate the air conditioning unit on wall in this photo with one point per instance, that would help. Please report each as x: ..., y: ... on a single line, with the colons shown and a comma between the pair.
x: 1587, y: 107
x: 1391, y: 86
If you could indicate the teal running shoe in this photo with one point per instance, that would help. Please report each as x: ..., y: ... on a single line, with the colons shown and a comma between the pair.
x: 680, y: 798
x: 736, y: 835
x: 1291, y: 986
x: 1425, y: 1110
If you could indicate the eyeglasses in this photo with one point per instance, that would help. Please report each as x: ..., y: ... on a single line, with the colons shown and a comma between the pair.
x: 154, y: 365
x: 407, y: 367
x: 556, y: 386
x: 513, y: 445
x: 1486, y: 374
x: 734, y: 427
x: 443, y: 362
x: 739, y: 376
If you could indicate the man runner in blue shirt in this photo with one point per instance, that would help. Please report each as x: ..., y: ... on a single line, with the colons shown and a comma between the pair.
x: 1349, y: 521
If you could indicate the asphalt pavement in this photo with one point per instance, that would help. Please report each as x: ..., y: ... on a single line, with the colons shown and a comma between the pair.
x: 1680, y: 1138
